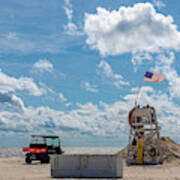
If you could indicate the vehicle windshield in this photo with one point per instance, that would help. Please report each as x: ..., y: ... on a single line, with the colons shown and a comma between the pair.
x: 37, y: 140
x: 52, y: 141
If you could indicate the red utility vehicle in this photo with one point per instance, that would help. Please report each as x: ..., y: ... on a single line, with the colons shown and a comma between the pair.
x: 40, y: 148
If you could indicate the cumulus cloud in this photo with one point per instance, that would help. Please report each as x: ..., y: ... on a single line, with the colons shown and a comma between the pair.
x: 164, y: 65
x: 12, y: 101
x: 46, y: 89
x: 62, y: 98
x: 70, y: 28
x: 101, y: 119
x: 105, y: 71
x: 68, y: 104
x: 139, y: 57
x: 130, y: 29
x: 43, y: 65
x: 11, y: 84
x: 87, y: 118
x: 89, y: 87
x: 140, y: 94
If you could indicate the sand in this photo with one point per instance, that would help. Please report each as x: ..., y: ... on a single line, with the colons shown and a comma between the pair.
x: 16, y: 169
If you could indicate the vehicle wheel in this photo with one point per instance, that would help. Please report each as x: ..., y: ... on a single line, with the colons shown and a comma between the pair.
x: 45, y: 159
x: 161, y: 162
x: 28, y: 160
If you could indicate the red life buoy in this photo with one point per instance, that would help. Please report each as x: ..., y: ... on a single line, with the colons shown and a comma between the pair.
x: 130, y: 116
x: 130, y: 120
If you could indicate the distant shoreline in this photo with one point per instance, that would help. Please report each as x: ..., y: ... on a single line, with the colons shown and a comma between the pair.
x: 17, y: 152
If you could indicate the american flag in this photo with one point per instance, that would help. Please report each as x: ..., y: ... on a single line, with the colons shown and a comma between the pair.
x: 153, y: 77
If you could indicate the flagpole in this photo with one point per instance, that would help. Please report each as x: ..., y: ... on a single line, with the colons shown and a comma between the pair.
x: 138, y: 93
x: 137, y: 96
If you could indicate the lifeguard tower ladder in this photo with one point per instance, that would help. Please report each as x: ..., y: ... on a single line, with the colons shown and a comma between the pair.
x: 144, y: 137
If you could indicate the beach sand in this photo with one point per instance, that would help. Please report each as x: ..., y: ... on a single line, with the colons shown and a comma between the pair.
x: 16, y: 169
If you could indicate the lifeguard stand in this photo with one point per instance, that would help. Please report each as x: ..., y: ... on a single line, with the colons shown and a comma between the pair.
x: 144, y: 137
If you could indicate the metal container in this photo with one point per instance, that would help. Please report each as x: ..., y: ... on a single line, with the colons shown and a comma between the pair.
x: 86, y: 165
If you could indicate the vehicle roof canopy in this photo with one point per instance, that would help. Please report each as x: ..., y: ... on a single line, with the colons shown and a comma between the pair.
x: 43, y: 136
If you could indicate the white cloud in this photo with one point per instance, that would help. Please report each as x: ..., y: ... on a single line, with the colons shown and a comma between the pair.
x: 68, y: 104
x: 139, y: 57
x: 12, y: 101
x: 11, y: 84
x: 159, y: 4
x: 62, y: 98
x: 164, y: 65
x: 140, y: 94
x: 86, y: 119
x: 46, y: 89
x: 89, y: 87
x: 102, y: 119
x: 43, y: 65
x: 28, y: 43
x: 105, y: 71
x: 70, y: 28
x: 143, y: 89
x: 11, y: 35
x: 68, y: 9
x: 13, y: 42
x: 130, y: 29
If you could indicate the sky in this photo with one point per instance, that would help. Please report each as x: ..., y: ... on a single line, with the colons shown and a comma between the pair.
x: 74, y: 68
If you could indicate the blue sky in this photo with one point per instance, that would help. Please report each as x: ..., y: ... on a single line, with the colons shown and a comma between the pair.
x: 73, y: 68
